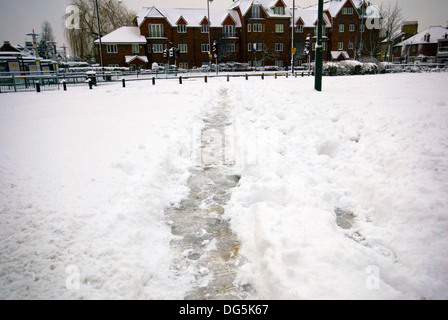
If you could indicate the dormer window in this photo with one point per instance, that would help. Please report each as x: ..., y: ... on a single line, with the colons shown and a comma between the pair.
x: 256, y: 12
x: 182, y: 28
x: 279, y: 10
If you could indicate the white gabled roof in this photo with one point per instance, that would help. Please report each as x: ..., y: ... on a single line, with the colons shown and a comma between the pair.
x: 336, y: 54
x: 309, y: 17
x: 129, y: 59
x: 435, y: 33
x: 245, y: 5
x: 124, y: 35
x: 192, y: 16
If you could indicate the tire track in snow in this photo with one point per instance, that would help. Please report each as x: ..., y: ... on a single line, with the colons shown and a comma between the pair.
x: 204, y: 245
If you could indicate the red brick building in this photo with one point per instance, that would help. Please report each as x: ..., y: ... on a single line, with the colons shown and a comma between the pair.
x: 256, y: 32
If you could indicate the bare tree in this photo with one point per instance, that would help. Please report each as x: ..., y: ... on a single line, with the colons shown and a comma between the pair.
x: 46, y: 35
x: 113, y: 15
x: 390, y: 24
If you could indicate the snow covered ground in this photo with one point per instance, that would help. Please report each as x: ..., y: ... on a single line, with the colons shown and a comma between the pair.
x: 343, y: 194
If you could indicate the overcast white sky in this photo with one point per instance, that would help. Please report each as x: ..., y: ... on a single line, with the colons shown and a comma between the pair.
x: 19, y: 17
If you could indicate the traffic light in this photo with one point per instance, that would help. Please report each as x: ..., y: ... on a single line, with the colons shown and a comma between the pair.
x: 215, y: 49
x: 171, y: 52
x: 306, y: 50
x: 165, y: 53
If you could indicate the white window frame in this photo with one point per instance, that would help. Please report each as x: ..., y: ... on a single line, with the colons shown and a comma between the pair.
x: 249, y: 27
x: 350, y: 45
x: 205, y: 28
x: 155, y: 30
x: 279, y: 28
x: 341, y: 27
x: 350, y: 11
x: 279, y: 11
x: 279, y: 46
x: 181, y: 28
x: 228, y: 30
x: 362, y: 27
x: 341, y: 46
x: 136, y: 48
x: 249, y: 46
x: 183, y: 47
x: 352, y: 27
x: 112, y: 49
x: 299, y: 28
x: 183, y: 65
x: 258, y: 27
x: 157, y: 48
x: 344, y: 11
x: 205, y: 48
x: 259, y: 46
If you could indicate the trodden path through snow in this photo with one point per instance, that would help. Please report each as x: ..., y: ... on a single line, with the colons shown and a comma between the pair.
x: 203, y: 243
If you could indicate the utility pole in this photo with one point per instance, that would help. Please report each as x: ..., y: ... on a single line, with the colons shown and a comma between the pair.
x: 99, y: 34
x: 319, y: 51
x: 209, y: 38
x: 292, y: 37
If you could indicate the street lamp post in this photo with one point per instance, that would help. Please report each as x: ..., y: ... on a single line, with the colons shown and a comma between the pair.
x: 319, y: 49
x: 292, y: 37
x: 209, y: 38
x: 99, y: 33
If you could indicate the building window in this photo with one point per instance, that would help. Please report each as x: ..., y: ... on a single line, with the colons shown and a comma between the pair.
x: 183, y: 48
x: 183, y: 65
x: 228, y: 31
x: 341, y: 27
x: 350, y: 11
x: 157, y: 48
x: 230, y: 47
x: 258, y: 46
x: 249, y: 27
x: 279, y: 28
x: 258, y: 27
x: 114, y: 65
x: 182, y: 28
x: 344, y: 11
x: 341, y: 45
x: 324, y: 46
x: 361, y: 45
x: 205, y: 28
x: 249, y: 47
x: 313, y: 46
x: 279, y: 10
x: 361, y: 27
x: 136, y: 48
x: 149, y: 48
x: 299, y: 29
x: 205, y: 48
x: 279, y: 63
x: 350, y: 46
x: 351, y: 28
x: 156, y: 31
x: 112, y: 48
x: 256, y: 12
x: 279, y: 46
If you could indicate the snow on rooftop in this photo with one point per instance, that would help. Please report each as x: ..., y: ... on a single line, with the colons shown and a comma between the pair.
x: 124, y: 35
x: 435, y: 32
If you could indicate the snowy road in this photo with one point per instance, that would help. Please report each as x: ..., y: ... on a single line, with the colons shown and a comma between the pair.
x: 227, y: 190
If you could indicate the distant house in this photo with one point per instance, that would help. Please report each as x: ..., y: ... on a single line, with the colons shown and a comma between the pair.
x: 422, y: 47
x: 442, y: 50
x: 408, y: 29
x: 124, y: 47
